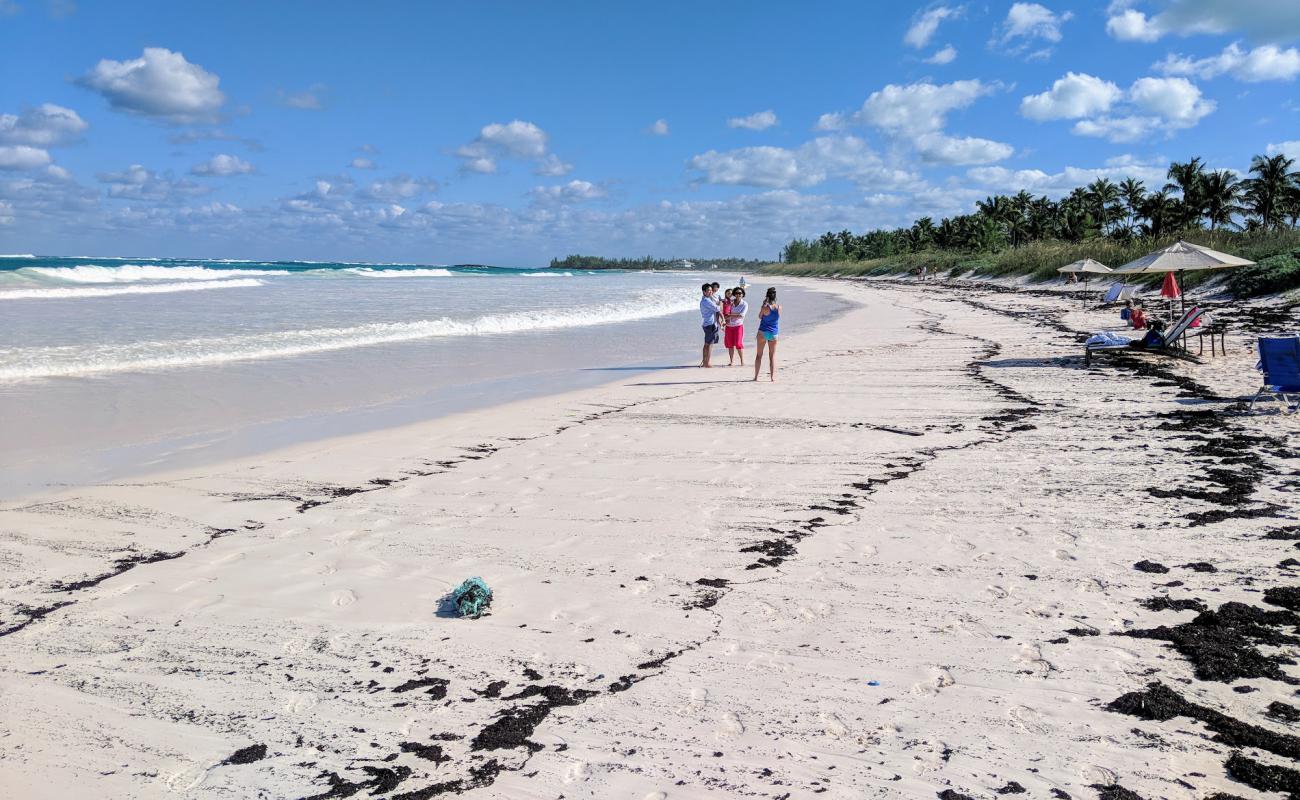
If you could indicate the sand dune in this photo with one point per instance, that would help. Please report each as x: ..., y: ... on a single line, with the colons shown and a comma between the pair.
x: 906, y: 568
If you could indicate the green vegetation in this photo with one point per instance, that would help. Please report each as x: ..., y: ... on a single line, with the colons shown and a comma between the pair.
x: 650, y: 262
x: 1255, y: 218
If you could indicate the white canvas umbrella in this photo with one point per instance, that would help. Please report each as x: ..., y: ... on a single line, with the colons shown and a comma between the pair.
x: 1088, y: 267
x: 1181, y: 257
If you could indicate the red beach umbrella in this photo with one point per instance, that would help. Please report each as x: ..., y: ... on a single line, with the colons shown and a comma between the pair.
x: 1170, y: 287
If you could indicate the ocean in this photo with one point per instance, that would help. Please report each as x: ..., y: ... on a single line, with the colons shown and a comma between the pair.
x: 117, y: 366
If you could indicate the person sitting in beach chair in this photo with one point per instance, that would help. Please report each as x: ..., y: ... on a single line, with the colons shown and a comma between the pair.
x: 1163, y: 342
x: 1155, y: 336
x: 1279, y: 360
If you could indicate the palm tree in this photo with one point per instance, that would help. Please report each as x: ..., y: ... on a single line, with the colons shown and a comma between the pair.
x: 1219, y: 193
x: 1187, y: 178
x: 1133, y: 191
x: 1266, y: 193
x: 1161, y: 213
x: 1103, y: 197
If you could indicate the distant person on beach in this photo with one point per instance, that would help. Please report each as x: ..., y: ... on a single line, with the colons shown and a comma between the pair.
x: 1126, y: 313
x: 1155, y: 336
x: 1138, y: 318
x: 769, y: 325
x: 710, y: 316
x: 734, y: 337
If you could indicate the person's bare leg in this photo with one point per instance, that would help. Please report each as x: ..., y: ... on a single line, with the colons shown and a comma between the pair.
x: 758, y: 356
x: 704, y: 357
x: 771, y: 361
x: 741, y: 351
x: 731, y: 357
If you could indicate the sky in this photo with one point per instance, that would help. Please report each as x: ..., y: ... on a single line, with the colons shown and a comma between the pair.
x: 512, y: 132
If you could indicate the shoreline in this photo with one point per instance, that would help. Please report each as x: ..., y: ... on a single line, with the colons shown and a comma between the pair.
x: 702, y: 587
x: 209, y: 446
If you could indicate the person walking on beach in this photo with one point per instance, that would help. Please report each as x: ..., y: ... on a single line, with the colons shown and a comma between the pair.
x: 710, y: 317
x: 734, y: 337
x: 769, y: 325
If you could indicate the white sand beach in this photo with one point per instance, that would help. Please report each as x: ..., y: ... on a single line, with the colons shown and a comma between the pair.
x: 906, y: 569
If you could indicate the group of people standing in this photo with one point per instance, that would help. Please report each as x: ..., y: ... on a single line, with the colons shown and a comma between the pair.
x: 726, y: 314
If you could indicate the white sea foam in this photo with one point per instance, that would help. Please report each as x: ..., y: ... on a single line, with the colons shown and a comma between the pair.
x: 369, y: 272
x: 547, y: 274
x: 132, y: 273
x: 57, y: 293
x: 16, y: 255
x: 68, y: 361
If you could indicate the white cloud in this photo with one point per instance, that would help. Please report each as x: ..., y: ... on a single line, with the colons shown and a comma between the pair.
x: 511, y: 140
x: 571, y: 192
x: 813, y: 162
x: 9, y: 8
x: 832, y: 121
x: 362, y: 163
x: 942, y: 56
x: 138, y: 183
x: 918, y: 108
x: 1103, y: 110
x: 659, y: 128
x: 401, y: 187
x: 758, y: 121
x: 1061, y: 183
x: 222, y: 165
x: 1263, y: 20
x: 940, y: 149
x: 47, y: 125
x: 160, y: 83
x: 1265, y: 63
x: 1027, y: 23
x: 1177, y: 100
x: 1073, y: 96
x: 309, y: 99
x: 21, y: 156
x: 1289, y: 149
x: 551, y: 166
x: 925, y: 24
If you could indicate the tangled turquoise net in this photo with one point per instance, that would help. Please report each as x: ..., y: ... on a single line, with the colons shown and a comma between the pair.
x: 472, y: 598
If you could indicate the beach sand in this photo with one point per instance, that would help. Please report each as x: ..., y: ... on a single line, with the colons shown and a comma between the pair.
x: 906, y: 568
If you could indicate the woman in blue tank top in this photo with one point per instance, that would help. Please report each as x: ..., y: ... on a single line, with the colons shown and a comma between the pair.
x: 769, y: 325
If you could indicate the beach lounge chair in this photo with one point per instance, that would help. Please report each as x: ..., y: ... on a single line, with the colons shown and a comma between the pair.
x: 1279, y: 360
x: 1113, y: 293
x: 1173, y: 345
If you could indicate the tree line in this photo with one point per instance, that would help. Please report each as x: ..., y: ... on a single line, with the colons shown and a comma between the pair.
x: 1194, y: 198
x: 650, y: 262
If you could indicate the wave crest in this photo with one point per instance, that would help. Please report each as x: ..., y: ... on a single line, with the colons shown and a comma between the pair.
x: 153, y: 288
x: 134, y: 273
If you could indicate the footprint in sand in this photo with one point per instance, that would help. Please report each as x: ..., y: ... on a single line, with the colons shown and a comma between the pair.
x: 834, y: 726
x: 870, y: 550
x: 1027, y: 718
x: 300, y: 702
x: 942, y: 679
x: 657, y: 796
x: 699, y: 699
x: 1099, y: 775
x: 186, y: 779
x: 343, y: 597
x: 1063, y: 555
x: 577, y: 771
x: 997, y: 591
x: 730, y: 726
x: 325, y: 569
x: 1032, y: 658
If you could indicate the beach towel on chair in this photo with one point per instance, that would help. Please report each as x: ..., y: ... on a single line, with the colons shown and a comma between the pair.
x: 1107, y: 339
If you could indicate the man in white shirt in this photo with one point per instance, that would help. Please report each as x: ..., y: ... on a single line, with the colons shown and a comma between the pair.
x: 711, y: 319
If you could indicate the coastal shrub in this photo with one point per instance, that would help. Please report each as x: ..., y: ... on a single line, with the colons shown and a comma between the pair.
x: 1269, y: 275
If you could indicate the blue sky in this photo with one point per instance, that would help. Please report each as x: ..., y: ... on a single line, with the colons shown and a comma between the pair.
x: 513, y: 132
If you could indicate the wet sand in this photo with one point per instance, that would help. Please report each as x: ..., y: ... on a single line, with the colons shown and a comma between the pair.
x: 938, y: 557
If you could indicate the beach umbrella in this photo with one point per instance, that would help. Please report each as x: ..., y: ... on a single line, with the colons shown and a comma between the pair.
x: 1087, y: 267
x: 1169, y: 288
x: 1181, y: 257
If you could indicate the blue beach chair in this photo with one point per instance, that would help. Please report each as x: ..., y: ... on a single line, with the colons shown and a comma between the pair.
x: 1279, y: 360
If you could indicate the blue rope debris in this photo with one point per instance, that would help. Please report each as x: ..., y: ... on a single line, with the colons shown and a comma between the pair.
x: 472, y: 598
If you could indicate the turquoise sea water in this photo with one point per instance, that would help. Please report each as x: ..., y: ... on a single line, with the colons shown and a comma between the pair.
x: 110, y: 366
